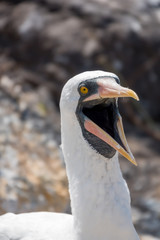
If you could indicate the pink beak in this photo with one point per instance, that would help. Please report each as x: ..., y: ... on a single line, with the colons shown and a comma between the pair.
x: 111, y: 89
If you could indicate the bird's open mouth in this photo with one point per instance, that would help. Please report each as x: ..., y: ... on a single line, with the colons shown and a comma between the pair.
x: 104, y: 121
x: 101, y: 118
x: 105, y: 115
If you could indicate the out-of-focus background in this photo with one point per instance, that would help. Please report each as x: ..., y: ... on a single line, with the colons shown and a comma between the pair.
x: 42, y: 44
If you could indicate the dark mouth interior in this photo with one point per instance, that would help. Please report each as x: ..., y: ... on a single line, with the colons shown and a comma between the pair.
x: 105, y: 116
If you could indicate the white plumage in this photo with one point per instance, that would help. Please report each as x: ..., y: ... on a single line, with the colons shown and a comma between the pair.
x: 100, y: 198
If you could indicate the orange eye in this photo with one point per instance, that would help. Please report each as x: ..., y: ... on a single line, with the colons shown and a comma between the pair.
x: 84, y: 90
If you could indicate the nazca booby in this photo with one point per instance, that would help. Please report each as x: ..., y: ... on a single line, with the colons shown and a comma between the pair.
x: 92, y: 135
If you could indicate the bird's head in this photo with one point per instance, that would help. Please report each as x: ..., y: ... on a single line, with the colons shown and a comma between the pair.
x: 93, y: 98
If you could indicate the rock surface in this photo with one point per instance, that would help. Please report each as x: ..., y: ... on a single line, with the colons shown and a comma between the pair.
x: 32, y: 176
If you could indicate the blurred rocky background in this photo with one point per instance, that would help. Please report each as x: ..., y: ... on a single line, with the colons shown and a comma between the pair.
x: 42, y: 44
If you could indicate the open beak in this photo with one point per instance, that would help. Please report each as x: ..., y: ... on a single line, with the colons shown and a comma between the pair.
x: 111, y: 89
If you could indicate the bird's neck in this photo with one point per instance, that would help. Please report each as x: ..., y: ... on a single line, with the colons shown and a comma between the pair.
x: 100, y: 198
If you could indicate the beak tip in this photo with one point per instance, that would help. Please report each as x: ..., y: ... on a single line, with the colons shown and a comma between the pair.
x: 132, y: 94
x: 134, y: 162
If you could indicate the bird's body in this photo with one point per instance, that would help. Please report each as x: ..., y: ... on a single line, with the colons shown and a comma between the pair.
x: 100, y: 198
x: 36, y: 226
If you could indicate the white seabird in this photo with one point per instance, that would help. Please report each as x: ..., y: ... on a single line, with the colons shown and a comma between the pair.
x: 92, y: 135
